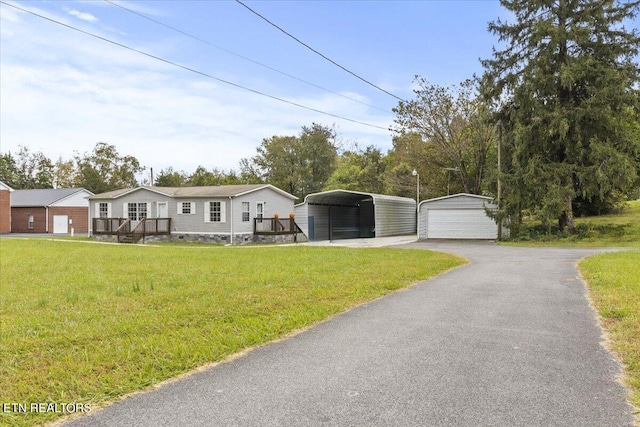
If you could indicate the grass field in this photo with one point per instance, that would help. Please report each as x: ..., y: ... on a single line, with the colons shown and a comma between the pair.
x: 87, y: 323
x: 621, y: 230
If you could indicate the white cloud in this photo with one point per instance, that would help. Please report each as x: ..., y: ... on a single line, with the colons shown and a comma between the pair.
x: 82, y: 15
x: 62, y: 92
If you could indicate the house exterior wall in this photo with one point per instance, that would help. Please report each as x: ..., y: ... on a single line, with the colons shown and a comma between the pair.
x: 20, y: 221
x: 5, y: 211
x: 77, y: 215
x: 274, y: 203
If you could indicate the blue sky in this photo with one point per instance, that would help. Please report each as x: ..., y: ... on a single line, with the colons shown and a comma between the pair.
x: 62, y: 91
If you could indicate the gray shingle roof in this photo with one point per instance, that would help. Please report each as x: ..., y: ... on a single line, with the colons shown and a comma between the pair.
x: 41, y: 197
x: 186, y: 192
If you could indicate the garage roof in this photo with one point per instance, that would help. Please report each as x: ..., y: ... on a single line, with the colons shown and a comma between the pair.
x: 42, y: 197
x: 348, y: 198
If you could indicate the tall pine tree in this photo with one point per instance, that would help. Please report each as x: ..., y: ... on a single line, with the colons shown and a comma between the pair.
x: 566, y: 84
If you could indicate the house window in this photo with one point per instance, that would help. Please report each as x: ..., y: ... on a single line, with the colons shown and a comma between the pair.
x: 246, y: 212
x: 30, y: 222
x: 186, y: 208
x: 137, y: 211
x: 103, y: 210
x: 215, y: 212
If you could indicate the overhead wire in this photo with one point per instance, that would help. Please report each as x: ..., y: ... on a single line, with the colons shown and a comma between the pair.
x: 184, y: 67
x: 242, y: 56
x: 319, y: 53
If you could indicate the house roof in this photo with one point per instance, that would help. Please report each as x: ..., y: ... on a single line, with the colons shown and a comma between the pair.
x: 195, y: 192
x: 42, y: 197
x: 4, y: 186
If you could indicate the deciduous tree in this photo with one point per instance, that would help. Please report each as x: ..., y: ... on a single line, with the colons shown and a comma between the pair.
x: 359, y: 170
x: 104, y: 169
x: 297, y: 164
x: 453, y: 122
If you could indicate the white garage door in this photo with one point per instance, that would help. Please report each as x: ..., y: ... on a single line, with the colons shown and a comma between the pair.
x: 60, y: 224
x: 460, y: 224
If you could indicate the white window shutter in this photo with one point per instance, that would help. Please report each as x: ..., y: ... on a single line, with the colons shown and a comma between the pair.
x: 207, y: 206
x: 193, y: 208
x: 223, y: 211
x: 96, y: 210
x: 179, y: 208
x: 125, y: 210
x: 108, y: 210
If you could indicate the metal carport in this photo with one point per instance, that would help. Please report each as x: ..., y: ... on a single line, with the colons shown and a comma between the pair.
x: 344, y: 214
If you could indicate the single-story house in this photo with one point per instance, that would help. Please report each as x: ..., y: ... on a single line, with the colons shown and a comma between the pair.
x: 225, y: 213
x: 459, y: 216
x: 5, y: 208
x: 342, y: 214
x: 50, y: 210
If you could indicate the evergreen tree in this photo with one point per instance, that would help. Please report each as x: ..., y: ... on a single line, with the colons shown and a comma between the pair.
x: 566, y: 84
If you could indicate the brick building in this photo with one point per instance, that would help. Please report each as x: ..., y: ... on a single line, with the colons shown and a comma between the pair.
x: 60, y: 211
x: 5, y: 208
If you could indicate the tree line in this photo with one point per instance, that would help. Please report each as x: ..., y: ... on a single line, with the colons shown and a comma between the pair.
x: 551, y: 129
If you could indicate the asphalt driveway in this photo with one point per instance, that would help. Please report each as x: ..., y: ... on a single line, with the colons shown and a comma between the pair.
x: 508, y: 340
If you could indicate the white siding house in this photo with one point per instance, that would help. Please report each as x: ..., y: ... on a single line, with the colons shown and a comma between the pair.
x: 217, y: 213
x: 460, y: 216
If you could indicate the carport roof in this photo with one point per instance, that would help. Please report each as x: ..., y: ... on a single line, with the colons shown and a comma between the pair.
x: 349, y: 198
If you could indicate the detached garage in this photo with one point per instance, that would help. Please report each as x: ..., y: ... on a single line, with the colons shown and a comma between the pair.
x: 342, y: 214
x: 460, y: 216
x: 58, y: 211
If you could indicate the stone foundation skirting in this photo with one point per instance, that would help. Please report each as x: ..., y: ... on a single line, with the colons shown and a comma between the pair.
x: 220, y: 239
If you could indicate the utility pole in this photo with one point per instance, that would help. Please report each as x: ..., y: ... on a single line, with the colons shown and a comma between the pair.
x: 499, y: 183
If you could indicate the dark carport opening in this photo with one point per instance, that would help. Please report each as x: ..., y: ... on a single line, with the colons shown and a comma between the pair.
x: 346, y: 216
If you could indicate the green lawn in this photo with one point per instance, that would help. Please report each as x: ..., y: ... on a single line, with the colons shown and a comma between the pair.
x: 87, y: 323
x: 621, y: 230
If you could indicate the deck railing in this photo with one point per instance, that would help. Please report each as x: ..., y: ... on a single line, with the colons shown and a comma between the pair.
x: 274, y: 226
x: 121, y: 227
x: 108, y: 226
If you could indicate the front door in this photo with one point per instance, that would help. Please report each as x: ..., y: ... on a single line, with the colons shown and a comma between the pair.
x: 163, y: 210
x: 260, y: 210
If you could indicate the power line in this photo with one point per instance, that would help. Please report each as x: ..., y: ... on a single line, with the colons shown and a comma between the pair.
x: 318, y: 53
x: 243, y: 57
x: 166, y: 61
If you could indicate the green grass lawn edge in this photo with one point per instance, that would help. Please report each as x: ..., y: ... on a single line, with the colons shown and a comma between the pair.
x: 613, y: 283
x: 91, y: 323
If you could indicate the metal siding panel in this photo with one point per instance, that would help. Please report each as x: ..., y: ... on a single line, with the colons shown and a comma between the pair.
x: 395, y: 217
x: 321, y: 220
x: 302, y: 217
